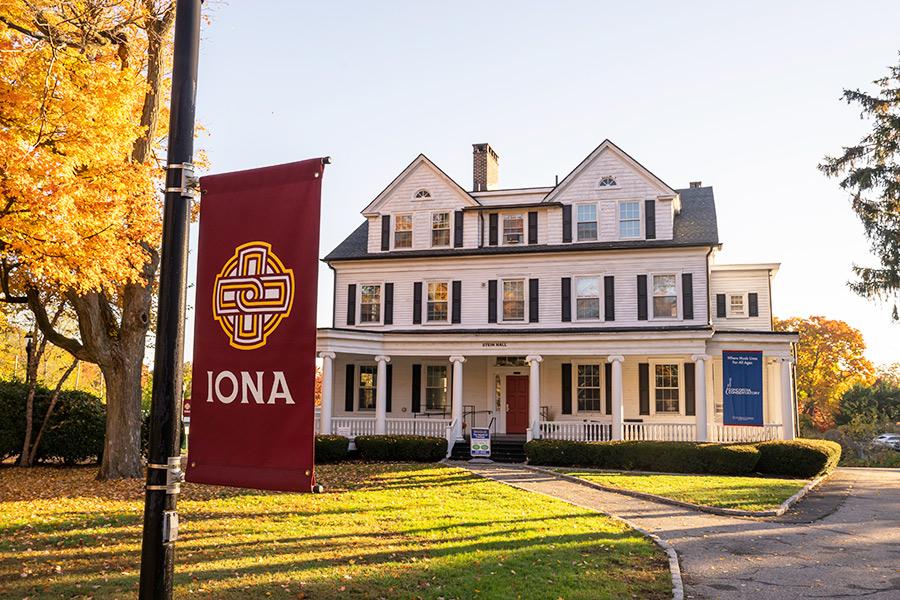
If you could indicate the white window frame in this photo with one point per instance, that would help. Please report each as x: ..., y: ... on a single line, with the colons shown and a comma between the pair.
x: 358, y: 388
x: 729, y: 314
x: 681, y: 394
x: 615, y: 184
x: 651, y: 313
x: 448, y: 388
x: 596, y: 222
x: 576, y: 409
x: 503, y: 218
x: 426, y: 198
x: 502, y: 313
x: 600, y: 298
x: 359, y: 303
x: 412, y: 225
x: 449, y: 228
x: 425, y: 285
x: 640, y: 219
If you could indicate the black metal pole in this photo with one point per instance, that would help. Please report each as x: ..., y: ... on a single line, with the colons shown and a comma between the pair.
x: 160, y: 519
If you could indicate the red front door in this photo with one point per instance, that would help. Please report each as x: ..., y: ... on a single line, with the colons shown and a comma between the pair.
x: 516, y: 403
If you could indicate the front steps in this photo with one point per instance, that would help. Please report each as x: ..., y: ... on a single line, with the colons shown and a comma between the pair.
x: 504, y: 449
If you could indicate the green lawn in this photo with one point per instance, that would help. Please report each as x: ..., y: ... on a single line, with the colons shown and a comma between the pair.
x: 745, y: 493
x: 392, y: 531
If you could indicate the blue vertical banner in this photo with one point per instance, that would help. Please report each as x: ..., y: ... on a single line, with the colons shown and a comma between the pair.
x: 742, y: 387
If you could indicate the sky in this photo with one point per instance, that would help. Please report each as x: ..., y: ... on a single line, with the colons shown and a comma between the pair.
x: 743, y: 98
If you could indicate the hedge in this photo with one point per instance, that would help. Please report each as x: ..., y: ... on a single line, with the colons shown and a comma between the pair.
x: 414, y: 448
x: 75, y: 431
x: 331, y: 448
x: 798, y: 458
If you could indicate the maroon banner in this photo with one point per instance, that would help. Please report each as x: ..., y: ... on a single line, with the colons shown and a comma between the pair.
x: 252, y: 415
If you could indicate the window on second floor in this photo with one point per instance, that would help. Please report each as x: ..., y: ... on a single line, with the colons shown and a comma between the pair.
x: 629, y: 219
x: 437, y: 301
x: 665, y: 297
x: 513, y: 229
x: 370, y: 304
x: 514, y: 300
x: 588, y: 386
x: 367, y: 377
x: 736, y: 305
x: 440, y: 229
x: 667, y: 389
x: 587, y: 222
x: 436, y: 387
x: 587, y: 298
x: 403, y: 231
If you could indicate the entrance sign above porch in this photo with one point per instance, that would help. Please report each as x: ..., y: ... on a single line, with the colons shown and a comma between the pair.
x: 742, y: 391
x: 254, y: 328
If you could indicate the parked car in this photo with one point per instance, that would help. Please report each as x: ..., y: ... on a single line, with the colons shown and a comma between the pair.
x: 888, y: 440
x: 896, y: 445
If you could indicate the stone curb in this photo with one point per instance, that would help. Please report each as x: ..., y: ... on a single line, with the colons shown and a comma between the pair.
x: 715, y: 510
x: 674, y: 565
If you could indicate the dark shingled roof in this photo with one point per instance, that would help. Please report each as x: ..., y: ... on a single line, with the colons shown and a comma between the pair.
x: 695, y: 225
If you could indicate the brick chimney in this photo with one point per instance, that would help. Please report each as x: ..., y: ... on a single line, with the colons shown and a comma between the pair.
x: 485, y: 164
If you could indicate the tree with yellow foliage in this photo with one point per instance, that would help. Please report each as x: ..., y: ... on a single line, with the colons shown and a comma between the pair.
x: 81, y: 86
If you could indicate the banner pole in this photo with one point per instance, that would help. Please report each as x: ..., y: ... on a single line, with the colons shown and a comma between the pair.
x: 164, y: 464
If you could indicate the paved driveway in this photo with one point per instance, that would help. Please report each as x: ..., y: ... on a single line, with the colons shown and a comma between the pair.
x: 842, y: 541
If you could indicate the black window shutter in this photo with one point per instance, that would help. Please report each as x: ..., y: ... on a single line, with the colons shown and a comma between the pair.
x: 532, y: 227
x: 753, y: 304
x: 720, y: 306
x: 690, y: 399
x: 388, y: 303
x: 457, y: 302
x: 609, y: 298
x: 416, y: 388
x: 351, y: 304
x: 687, y: 295
x: 417, y: 302
x: 458, y: 229
x: 642, y: 297
x: 390, y: 385
x: 567, y: 223
x: 385, y: 233
x: 533, y: 306
x: 608, y: 386
x: 650, y: 219
x: 567, y: 388
x: 492, y: 229
x: 492, y: 301
x: 349, y: 384
x: 644, y: 387
x: 566, y: 299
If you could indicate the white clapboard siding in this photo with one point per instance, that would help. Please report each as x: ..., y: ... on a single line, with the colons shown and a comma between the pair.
x: 742, y: 281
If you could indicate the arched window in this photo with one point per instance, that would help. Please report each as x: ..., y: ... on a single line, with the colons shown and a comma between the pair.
x: 608, y: 181
x: 423, y: 195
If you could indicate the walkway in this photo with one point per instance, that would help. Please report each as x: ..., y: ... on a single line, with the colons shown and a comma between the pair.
x: 842, y: 541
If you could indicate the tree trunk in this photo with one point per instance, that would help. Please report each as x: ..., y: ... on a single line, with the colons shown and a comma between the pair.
x: 24, y: 457
x: 122, y: 447
x: 53, y: 400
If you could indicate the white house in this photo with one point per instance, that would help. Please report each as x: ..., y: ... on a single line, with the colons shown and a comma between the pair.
x: 590, y: 310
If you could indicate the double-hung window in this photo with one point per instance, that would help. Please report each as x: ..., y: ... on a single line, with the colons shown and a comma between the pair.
x: 588, y: 385
x: 586, y: 215
x: 665, y: 297
x: 437, y: 301
x: 587, y: 298
x: 367, y: 376
x: 513, y: 229
x: 667, y: 388
x: 370, y: 303
x: 514, y: 300
x: 440, y: 229
x: 736, y: 306
x: 403, y: 231
x: 629, y: 219
x: 436, y: 387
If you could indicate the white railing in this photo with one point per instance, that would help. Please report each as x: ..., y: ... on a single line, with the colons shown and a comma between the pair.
x: 583, y: 431
x: 744, y: 433
x: 429, y: 427
x: 663, y: 432
x: 318, y: 421
x: 353, y: 425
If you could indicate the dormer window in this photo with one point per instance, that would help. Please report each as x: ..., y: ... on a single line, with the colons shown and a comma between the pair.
x: 607, y: 182
x: 513, y: 229
x: 422, y: 195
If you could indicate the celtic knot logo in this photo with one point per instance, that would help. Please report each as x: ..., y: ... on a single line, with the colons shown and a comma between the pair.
x: 253, y: 293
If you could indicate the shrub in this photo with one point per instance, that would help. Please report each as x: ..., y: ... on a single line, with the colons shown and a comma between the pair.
x: 737, y: 459
x: 798, y: 458
x: 331, y: 448
x: 415, y: 448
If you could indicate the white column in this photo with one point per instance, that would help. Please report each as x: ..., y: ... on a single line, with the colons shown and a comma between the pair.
x: 618, y: 401
x: 327, y: 392
x: 700, y: 396
x: 788, y: 411
x: 534, y: 395
x: 456, y: 396
x: 381, y: 395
